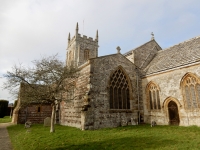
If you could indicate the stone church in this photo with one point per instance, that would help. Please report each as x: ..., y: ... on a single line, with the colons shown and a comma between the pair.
x: 145, y: 84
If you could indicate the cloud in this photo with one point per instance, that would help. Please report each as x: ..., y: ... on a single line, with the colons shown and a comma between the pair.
x: 30, y: 29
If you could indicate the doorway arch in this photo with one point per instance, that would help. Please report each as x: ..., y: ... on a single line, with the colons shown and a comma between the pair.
x: 173, y: 113
x: 172, y: 107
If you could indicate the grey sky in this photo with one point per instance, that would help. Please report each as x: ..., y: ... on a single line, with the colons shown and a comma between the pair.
x: 33, y: 28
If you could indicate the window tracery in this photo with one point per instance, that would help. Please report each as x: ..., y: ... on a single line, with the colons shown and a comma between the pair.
x: 119, y: 91
x: 153, y: 95
x: 191, y: 91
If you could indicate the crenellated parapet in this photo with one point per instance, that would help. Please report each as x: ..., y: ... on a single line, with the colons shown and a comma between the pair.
x: 81, y: 48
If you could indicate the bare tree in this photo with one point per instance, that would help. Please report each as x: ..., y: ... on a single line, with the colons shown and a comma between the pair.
x: 46, y: 82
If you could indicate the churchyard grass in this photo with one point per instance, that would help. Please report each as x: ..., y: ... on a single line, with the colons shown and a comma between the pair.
x: 5, y: 119
x: 122, y: 138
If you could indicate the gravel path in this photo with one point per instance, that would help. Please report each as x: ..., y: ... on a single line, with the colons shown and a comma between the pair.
x: 5, y: 143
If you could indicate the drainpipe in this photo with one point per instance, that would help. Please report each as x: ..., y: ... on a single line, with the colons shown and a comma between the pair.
x: 138, y: 97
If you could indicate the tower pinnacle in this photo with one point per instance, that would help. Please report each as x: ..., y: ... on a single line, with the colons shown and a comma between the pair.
x: 69, y: 37
x: 97, y: 36
x: 77, y: 29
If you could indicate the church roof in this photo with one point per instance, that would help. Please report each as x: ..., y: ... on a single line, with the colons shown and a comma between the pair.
x: 187, y: 52
x: 144, y: 53
x: 143, y: 46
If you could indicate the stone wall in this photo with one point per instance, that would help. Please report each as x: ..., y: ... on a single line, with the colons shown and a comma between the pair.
x: 99, y: 114
x: 169, y: 83
x: 143, y: 55
x: 33, y: 114
x: 71, y: 110
x: 76, y: 48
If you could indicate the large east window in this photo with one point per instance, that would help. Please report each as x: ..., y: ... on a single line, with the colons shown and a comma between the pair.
x: 119, y: 91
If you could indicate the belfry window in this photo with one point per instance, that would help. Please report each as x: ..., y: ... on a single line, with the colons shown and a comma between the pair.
x: 119, y: 91
x: 153, y: 95
x: 86, y: 55
x: 191, y: 91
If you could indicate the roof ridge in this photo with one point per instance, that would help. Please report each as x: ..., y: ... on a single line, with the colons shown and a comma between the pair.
x: 179, y: 43
x: 181, y: 54
x: 141, y: 46
x: 103, y: 56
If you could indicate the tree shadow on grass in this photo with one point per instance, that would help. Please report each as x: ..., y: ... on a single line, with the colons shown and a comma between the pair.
x: 128, y: 143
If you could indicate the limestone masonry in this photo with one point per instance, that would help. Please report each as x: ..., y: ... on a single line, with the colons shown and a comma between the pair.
x: 145, y: 84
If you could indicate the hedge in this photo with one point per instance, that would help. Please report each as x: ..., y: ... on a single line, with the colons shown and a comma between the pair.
x: 3, y: 108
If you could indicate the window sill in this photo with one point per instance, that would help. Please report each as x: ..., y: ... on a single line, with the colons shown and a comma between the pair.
x: 120, y: 110
x: 155, y: 110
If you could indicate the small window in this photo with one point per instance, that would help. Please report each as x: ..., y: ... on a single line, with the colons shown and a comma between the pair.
x: 39, y: 109
x: 153, y: 96
x: 86, y: 55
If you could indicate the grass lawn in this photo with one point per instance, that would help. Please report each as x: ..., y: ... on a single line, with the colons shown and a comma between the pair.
x: 5, y: 119
x: 122, y: 138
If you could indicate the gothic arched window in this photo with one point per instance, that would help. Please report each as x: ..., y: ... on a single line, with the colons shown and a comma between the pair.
x: 119, y: 91
x: 153, y: 96
x: 191, y: 91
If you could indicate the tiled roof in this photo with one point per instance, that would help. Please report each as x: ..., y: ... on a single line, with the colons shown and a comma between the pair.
x: 185, y: 53
x: 141, y: 47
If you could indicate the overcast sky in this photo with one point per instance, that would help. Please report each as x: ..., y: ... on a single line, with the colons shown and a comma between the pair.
x: 30, y: 29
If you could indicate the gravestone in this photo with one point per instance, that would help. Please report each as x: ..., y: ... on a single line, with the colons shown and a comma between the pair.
x: 124, y: 122
x: 47, y: 122
x: 134, y: 121
x: 27, y: 124
x: 153, y: 123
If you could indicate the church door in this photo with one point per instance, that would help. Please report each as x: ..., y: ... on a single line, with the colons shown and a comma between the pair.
x: 173, y: 113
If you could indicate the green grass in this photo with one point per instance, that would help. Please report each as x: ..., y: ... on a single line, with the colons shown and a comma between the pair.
x: 121, y: 138
x: 5, y: 119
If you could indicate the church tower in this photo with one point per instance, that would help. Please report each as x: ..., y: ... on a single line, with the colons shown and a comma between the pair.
x: 81, y: 49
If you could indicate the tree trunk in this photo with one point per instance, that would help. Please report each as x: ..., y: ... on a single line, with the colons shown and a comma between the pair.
x: 52, y: 119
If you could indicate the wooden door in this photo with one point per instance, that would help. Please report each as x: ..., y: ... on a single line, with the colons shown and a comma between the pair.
x: 173, y: 113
